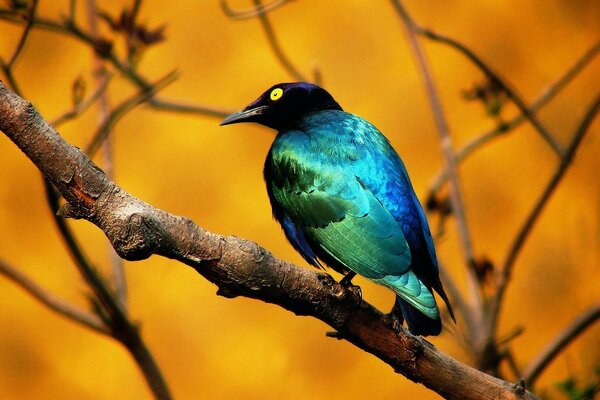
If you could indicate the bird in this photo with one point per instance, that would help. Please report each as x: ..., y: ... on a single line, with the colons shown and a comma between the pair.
x: 343, y: 198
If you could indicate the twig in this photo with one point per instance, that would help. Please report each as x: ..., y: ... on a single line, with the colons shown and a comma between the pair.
x: 53, y: 302
x: 116, y: 263
x: 120, y: 327
x: 274, y: 44
x: 122, y: 109
x: 450, y: 163
x: 70, y: 28
x: 253, y: 12
x: 238, y: 267
x: 135, y: 9
x: 543, y: 99
x: 537, y: 209
x: 559, y: 343
x: 13, y: 59
x: 506, y: 87
x: 7, y: 67
x: 171, y: 106
x: 83, y: 105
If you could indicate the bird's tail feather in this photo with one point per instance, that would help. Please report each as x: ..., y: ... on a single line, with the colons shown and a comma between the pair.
x: 418, y: 323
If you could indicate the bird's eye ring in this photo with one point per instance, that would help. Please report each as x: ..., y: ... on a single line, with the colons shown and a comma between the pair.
x: 276, y: 94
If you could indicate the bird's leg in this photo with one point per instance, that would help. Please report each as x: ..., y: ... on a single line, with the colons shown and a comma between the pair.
x: 347, y: 279
x: 396, y: 318
x: 347, y: 283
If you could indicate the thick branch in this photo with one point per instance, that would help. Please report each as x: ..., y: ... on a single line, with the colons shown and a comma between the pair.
x: 238, y: 267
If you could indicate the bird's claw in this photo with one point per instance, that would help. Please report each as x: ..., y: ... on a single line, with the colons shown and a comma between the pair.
x: 347, y: 279
x: 395, y: 322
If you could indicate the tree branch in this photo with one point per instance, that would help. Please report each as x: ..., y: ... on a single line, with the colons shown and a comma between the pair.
x: 49, y: 300
x: 81, y: 106
x: 7, y: 67
x: 493, y: 76
x: 559, y: 343
x: 118, y: 279
x: 547, y: 94
x: 253, y: 12
x: 71, y: 29
x: 261, y: 11
x: 238, y: 267
x: 458, y: 208
x: 536, y: 211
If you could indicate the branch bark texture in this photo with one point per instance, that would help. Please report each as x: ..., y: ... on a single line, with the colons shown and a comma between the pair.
x: 238, y: 267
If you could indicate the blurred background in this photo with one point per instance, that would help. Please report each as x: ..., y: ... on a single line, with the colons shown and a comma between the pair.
x: 212, y: 347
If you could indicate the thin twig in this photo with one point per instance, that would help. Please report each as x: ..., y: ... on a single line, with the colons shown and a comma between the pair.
x: 495, y: 77
x: 533, y: 216
x: 71, y: 29
x: 8, y: 66
x: 547, y: 94
x: 121, y: 110
x: 135, y: 9
x: 83, y: 105
x: 120, y: 326
x: 172, y: 106
x: 275, y: 46
x: 51, y: 301
x: 118, y: 272
x: 446, y: 145
x: 559, y: 343
x: 253, y: 12
x: 17, y: 52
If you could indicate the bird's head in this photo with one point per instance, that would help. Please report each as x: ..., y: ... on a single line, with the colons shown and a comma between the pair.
x: 283, y: 104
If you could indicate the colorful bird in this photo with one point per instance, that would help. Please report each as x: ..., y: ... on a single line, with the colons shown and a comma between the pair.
x: 343, y: 197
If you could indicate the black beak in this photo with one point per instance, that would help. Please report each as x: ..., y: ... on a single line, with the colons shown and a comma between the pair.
x: 246, y: 115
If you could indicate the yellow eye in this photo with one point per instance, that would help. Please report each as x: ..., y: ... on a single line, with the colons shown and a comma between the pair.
x: 276, y: 94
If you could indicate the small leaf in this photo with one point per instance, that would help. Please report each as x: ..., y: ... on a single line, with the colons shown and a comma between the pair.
x: 78, y: 91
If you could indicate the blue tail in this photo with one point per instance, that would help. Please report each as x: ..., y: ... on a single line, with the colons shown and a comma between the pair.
x: 418, y: 323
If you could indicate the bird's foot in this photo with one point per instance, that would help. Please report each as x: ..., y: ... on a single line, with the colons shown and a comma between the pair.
x: 347, y: 279
x: 395, y: 322
x: 346, y: 282
x: 357, y: 291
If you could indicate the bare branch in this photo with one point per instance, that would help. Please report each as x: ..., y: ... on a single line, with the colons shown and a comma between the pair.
x: 450, y: 164
x: 121, y: 327
x: 71, y: 29
x: 502, y: 129
x: 238, y: 267
x: 53, y: 302
x: 118, y: 272
x: 261, y: 13
x: 7, y: 67
x: 122, y: 109
x: 83, y: 105
x: 494, y: 77
x: 253, y: 12
x: 559, y: 343
x: 171, y: 106
x: 536, y: 211
x: 28, y: 25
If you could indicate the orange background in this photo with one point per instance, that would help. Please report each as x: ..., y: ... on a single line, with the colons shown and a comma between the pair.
x: 211, y: 347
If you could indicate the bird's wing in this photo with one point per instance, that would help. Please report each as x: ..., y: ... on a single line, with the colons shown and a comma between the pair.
x: 341, y: 214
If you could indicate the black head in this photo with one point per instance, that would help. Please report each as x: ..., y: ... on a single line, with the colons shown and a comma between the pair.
x: 283, y: 104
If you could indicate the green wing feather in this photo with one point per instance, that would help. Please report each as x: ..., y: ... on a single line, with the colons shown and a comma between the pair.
x: 333, y: 207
